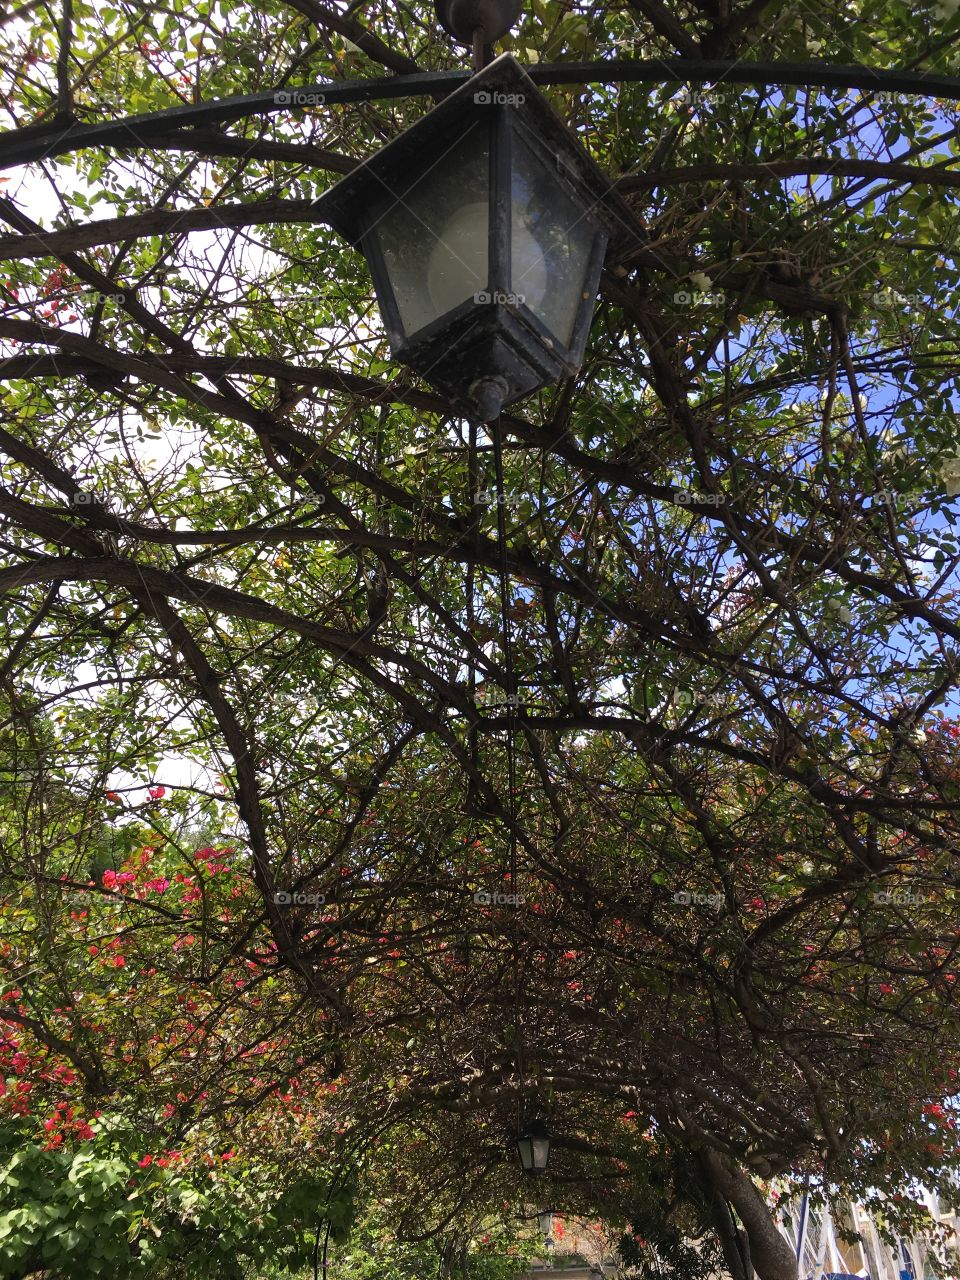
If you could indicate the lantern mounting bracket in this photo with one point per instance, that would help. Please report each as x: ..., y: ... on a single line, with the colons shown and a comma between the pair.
x: 468, y: 21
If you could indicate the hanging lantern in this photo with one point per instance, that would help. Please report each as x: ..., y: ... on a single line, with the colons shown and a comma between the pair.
x: 533, y: 1145
x: 485, y: 225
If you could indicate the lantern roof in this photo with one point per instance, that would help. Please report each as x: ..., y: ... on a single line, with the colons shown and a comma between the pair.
x: 502, y: 82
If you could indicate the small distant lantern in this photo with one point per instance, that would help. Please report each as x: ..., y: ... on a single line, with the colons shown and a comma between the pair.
x: 533, y: 1145
x: 545, y: 1223
x: 485, y: 225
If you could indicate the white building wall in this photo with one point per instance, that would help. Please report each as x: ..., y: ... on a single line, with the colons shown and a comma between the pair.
x: 823, y: 1253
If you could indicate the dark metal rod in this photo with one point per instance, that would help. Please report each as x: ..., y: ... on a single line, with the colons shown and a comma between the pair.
x: 21, y: 146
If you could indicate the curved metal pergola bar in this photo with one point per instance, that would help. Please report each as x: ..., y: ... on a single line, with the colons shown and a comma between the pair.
x: 32, y: 143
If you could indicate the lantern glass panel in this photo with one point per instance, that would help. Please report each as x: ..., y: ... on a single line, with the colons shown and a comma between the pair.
x: 552, y: 238
x: 434, y: 234
x: 540, y: 1151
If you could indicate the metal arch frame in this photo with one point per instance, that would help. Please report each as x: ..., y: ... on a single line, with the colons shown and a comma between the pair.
x: 43, y: 142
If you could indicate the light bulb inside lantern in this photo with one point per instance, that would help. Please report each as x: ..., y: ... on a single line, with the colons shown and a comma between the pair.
x: 459, y: 264
x: 528, y: 265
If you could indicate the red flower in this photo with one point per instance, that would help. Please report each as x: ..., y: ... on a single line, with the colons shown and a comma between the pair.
x: 145, y: 1162
x: 109, y: 879
x: 157, y: 793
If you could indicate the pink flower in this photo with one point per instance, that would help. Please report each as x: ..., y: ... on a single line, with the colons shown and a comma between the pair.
x: 160, y: 885
x: 157, y: 793
x: 109, y: 879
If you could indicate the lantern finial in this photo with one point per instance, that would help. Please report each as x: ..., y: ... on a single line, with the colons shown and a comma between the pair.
x: 488, y: 395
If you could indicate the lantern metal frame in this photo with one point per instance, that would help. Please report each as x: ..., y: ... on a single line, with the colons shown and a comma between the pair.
x: 535, y: 1130
x: 484, y: 354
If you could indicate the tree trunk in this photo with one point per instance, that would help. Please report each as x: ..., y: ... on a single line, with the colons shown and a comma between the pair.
x: 770, y: 1251
x: 731, y: 1238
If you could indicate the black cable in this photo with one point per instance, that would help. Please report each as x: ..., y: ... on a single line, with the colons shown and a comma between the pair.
x: 510, y: 681
x: 511, y: 717
x: 473, y: 470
